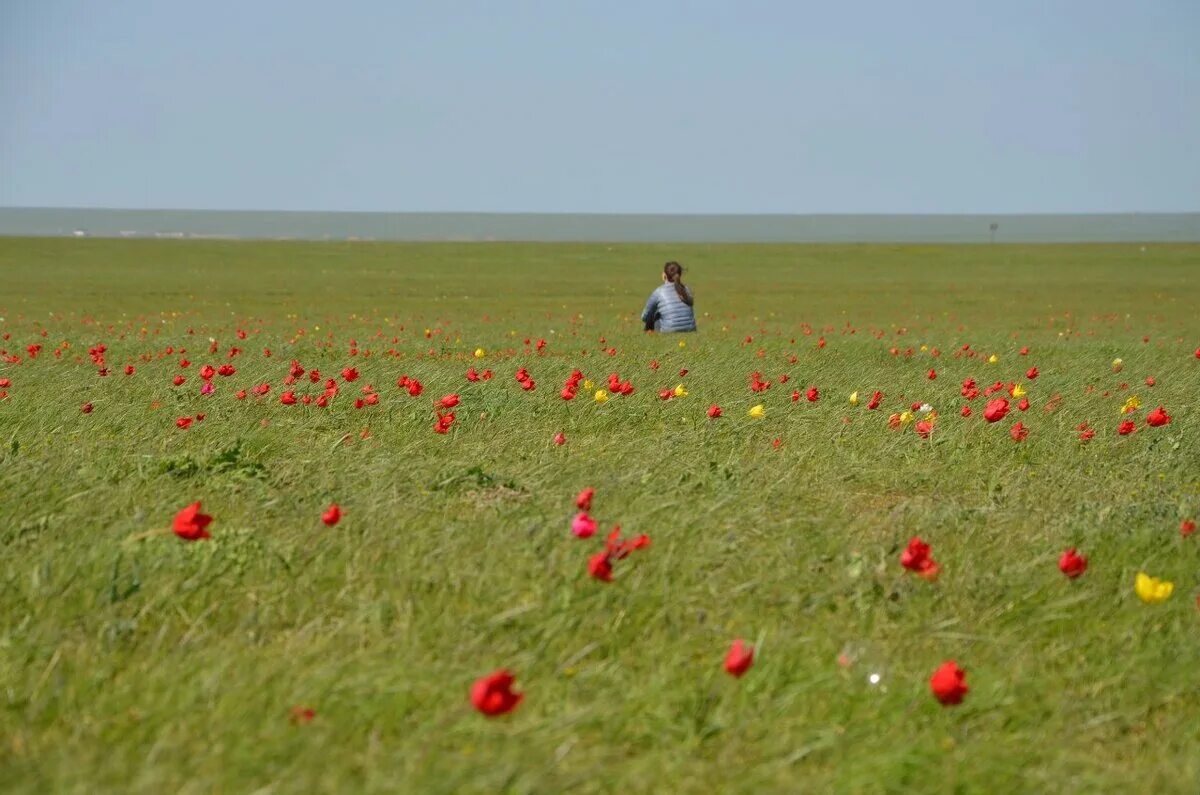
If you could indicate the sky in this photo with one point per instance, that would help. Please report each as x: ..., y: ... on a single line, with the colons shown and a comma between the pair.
x: 617, y: 106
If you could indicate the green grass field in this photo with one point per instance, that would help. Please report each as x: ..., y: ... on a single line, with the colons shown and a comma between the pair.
x: 133, y: 661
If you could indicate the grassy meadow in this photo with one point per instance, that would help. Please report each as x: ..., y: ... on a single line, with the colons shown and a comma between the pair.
x: 132, y: 661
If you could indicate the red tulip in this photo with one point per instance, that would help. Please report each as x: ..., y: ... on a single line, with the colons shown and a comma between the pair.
x: 1127, y: 427
x: 1157, y: 417
x: 1150, y: 380
x: 1023, y: 405
x: 600, y: 566
x: 448, y: 402
x: 1187, y: 527
x: 1018, y: 432
x: 190, y: 523
x: 493, y: 694
x: 812, y: 395
x: 129, y: 369
x: 931, y: 375
x: 583, y: 526
x: 916, y: 559
x: 739, y: 659
x: 875, y: 399
x: 332, y: 515
x: 184, y: 423
x: 948, y: 684
x: 86, y: 408
x: 178, y: 380
x: 349, y: 374
x: 714, y: 411
x: 995, y: 410
x: 1072, y: 564
x: 966, y: 411
x: 583, y: 500
x: 560, y: 438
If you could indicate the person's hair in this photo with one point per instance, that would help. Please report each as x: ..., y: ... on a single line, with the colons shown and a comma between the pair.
x: 674, y: 273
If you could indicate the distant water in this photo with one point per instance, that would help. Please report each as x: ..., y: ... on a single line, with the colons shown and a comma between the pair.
x: 1112, y: 228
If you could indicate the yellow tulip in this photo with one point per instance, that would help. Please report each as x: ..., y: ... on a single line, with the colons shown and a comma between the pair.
x: 906, y: 417
x: 1117, y: 364
x: 680, y: 391
x: 601, y: 396
x: 682, y: 344
x: 587, y: 383
x: 1018, y: 391
x: 924, y: 348
x: 1152, y: 590
x: 480, y: 353
x: 757, y: 412
x: 1132, y: 404
x: 853, y: 398
x: 993, y: 359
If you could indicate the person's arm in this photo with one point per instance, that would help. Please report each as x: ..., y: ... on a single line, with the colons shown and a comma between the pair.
x: 651, y: 307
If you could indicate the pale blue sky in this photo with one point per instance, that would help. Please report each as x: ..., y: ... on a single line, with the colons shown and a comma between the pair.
x: 563, y: 106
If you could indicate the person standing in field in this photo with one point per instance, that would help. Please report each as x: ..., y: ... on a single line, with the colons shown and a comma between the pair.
x: 670, y: 306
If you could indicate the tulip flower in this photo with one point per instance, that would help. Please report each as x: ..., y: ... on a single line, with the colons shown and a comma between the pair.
x: 600, y: 566
x: 1132, y: 404
x: 995, y: 410
x: 948, y: 684
x: 1031, y: 373
x: 916, y: 559
x: 1127, y: 427
x: 332, y: 515
x: 875, y: 400
x: 739, y: 659
x: 854, y: 398
x: 1018, y: 391
x: 1187, y: 527
x: 714, y: 411
x: 966, y: 411
x: 560, y: 438
x: 1072, y: 564
x: 583, y: 526
x: 1152, y: 590
x: 679, y: 391
x: 190, y: 524
x: 480, y: 353
x: 493, y: 694
x: 1018, y: 432
x: 1117, y: 364
x: 1157, y: 418
x: 993, y: 359
x: 757, y: 412
x: 601, y: 396
x: 583, y: 500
